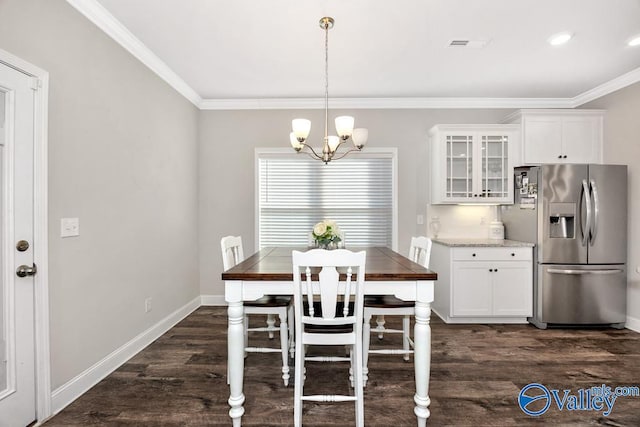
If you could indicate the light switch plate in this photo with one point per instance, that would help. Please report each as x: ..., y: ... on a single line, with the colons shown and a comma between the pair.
x: 69, y: 227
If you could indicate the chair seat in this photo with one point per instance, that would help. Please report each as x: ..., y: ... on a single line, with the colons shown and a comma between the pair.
x: 386, y: 301
x: 270, y: 301
x: 328, y: 329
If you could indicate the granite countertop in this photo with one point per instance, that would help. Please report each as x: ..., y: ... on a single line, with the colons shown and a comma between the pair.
x: 483, y: 243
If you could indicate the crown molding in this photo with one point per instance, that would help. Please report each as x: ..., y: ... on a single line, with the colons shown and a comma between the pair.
x: 618, y: 83
x: 97, y: 14
x: 104, y: 20
x: 383, y: 103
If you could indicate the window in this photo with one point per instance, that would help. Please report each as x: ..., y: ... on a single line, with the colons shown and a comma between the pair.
x: 295, y: 192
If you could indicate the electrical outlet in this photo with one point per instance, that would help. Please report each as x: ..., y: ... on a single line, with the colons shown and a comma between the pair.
x: 147, y: 305
x: 483, y: 221
x: 420, y: 219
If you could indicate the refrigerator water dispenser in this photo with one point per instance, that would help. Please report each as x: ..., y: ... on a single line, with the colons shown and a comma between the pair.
x: 561, y: 226
x: 562, y: 220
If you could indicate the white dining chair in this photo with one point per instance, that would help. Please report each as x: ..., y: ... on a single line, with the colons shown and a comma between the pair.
x: 328, y: 312
x: 387, y: 305
x: 271, y: 305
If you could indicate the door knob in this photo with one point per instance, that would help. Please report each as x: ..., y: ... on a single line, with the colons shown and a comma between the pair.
x: 25, y: 270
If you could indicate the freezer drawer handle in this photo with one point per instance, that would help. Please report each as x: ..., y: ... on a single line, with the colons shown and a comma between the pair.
x: 567, y: 271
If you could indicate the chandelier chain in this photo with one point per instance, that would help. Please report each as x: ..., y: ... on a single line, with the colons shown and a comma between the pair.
x: 326, y: 80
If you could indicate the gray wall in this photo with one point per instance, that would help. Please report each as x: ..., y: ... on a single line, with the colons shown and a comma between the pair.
x: 227, y: 143
x: 622, y: 146
x: 122, y: 158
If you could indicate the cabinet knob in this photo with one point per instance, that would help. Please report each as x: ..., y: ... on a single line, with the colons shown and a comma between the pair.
x: 473, y: 254
x: 490, y: 270
x: 512, y: 254
x: 560, y: 156
x: 495, y: 270
x: 564, y: 157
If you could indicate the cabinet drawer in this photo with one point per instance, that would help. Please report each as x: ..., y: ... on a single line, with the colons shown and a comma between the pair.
x: 492, y: 254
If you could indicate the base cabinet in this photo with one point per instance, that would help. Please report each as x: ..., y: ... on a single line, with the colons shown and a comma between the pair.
x: 483, y: 284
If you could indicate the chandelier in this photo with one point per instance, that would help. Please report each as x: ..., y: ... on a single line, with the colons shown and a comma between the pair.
x: 344, y: 124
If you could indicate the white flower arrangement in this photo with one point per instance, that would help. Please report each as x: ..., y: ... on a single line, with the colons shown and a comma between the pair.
x: 326, y: 233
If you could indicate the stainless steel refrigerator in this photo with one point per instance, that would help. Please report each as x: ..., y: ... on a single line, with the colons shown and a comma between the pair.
x: 576, y: 214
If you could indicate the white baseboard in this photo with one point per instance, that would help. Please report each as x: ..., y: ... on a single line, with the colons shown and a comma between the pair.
x: 217, y: 300
x: 74, y: 388
x: 633, y: 324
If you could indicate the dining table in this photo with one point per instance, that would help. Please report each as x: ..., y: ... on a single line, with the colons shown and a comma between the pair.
x: 270, y: 272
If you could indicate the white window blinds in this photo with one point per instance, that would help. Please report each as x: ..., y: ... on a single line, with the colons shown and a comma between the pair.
x: 295, y: 192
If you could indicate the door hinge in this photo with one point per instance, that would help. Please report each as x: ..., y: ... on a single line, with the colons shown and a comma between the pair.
x: 36, y: 83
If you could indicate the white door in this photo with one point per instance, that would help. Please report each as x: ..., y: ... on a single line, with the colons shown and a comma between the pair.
x: 17, y: 349
x: 471, y: 293
x: 512, y: 289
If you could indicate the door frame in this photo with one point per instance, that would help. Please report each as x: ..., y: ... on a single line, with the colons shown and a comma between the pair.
x: 40, y: 230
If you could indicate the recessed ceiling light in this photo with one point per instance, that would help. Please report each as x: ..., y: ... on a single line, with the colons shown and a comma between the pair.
x: 635, y: 41
x: 560, y: 38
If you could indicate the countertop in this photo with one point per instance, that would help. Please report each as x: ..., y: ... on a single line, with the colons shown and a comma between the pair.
x: 483, y: 243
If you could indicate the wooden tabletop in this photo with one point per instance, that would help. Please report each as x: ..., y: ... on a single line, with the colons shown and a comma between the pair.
x: 383, y: 264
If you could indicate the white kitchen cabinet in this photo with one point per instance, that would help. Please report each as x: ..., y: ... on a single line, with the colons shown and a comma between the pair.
x: 472, y: 163
x: 560, y: 135
x: 478, y: 284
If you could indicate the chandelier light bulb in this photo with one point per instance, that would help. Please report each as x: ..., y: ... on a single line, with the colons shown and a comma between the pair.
x: 297, y: 145
x: 344, y: 126
x: 360, y: 137
x: 333, y: 142
x: 301, y: 128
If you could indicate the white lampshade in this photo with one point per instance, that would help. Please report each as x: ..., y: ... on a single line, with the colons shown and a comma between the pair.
x: 344, y: 126
x: 333, y: 142
x: 360, y: 136
x: 301, y: 128
x: 297, y: 145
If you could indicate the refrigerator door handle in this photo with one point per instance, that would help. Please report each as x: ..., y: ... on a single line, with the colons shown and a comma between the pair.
x: 569, y: 271
x: 587, y: 202
x: 596, y: 206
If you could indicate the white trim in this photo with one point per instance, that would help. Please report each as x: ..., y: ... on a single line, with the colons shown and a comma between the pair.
x: 212, y: 300
x: 104, y: 20
x: 74, y: 388
x: 618, y: 83
x: 40, y: 231
x: 383, y: 103
x: 394, y: 195
x: 633, y: 323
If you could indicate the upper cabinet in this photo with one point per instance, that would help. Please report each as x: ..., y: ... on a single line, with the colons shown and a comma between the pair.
x: 472, y: 163
x: 559, y: 135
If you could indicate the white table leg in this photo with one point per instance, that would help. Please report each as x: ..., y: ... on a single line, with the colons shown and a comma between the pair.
x: 422, y: 361
x: 235, y: 347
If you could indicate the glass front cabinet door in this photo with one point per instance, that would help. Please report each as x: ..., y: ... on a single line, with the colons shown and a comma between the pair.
x: 472, y: 163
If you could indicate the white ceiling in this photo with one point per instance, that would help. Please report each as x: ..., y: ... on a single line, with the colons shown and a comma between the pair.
x: 274, y: 49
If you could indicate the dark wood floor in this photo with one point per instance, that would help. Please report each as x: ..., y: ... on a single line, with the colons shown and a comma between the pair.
x: 476, y: 375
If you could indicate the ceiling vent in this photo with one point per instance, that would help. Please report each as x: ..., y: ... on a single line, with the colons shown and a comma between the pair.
x: 475, y: 44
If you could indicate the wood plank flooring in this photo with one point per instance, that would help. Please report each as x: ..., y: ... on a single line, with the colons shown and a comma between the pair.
x: 476, y: 375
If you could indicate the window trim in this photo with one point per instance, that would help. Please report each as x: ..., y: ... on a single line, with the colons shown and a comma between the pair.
x: 369, y: 152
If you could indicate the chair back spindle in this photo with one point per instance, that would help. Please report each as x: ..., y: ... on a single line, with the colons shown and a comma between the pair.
x: 420, y: 250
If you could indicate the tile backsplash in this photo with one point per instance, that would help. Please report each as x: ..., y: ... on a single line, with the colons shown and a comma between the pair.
x: 461, y: 221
